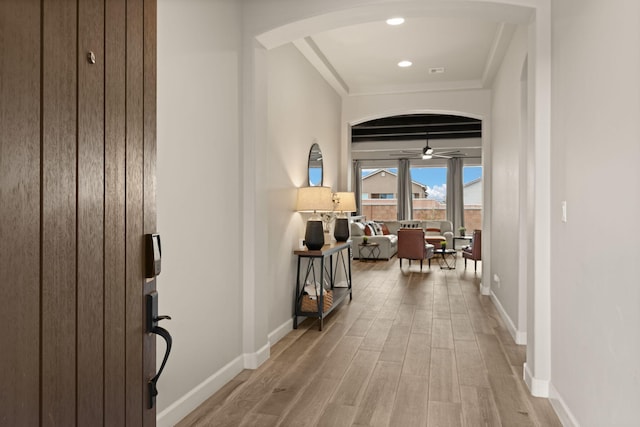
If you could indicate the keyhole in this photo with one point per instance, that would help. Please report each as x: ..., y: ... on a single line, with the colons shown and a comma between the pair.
x: 91, y: 57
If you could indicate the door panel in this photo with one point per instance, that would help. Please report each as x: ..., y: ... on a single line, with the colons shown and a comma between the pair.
x: 20, y: 211
x: 90, y: 211
x: 149, y: 107
x: 59, y: 180
x: 115, y: 256
x: 77, y: 194
x: 134, y: 386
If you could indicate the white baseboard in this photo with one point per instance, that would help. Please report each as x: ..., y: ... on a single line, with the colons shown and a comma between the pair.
x: 254, y: 360
x: 537, y: 387
x: 484, y: 290
x: 520, y: 337
x: 562, y: 410
x: 191, y: 400
x: 281, y: 331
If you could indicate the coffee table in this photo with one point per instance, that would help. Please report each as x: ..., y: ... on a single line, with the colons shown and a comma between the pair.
x: 447, y: 258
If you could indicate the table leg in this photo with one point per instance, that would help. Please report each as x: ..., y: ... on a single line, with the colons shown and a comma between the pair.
x: 321, y: 296
x: 295, y: 300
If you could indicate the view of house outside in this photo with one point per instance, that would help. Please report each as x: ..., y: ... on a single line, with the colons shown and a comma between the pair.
x: 379, y: 194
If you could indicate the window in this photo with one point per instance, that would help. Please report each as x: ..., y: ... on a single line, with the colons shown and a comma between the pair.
x: 472, y: 194
x: 382, y: 196
x: 431, y: 205
x: 379, y: 188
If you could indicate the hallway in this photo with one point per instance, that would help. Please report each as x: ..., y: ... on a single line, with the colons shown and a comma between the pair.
x: 412, y: 349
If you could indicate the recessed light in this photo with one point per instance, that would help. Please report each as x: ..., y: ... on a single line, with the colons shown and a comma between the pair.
x: 405, y: 64
x: 395, y: 21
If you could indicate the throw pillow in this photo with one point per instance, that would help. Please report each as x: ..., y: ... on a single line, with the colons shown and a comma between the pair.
x: 368, y: 231
x: 385, y: 229
x: 432, y: 232
x: 410, y: 225
x: 378, y: 228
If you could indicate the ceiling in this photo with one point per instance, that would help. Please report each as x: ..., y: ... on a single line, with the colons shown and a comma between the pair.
x: 365, y: 56
x: 410, y: 127
x: 406, y: 136
x: 466, y: 51
x: 362, y: 59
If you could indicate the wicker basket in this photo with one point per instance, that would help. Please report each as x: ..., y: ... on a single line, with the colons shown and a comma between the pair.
x: 311, y: 305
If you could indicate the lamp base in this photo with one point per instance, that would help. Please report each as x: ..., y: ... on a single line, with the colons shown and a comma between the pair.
x: 341, y: 232
x: 314, y: 235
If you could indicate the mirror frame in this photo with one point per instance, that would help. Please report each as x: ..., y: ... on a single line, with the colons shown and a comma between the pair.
x: 315, y: 155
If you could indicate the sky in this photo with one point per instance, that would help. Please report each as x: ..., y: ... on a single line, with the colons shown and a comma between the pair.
x: 436, y: 178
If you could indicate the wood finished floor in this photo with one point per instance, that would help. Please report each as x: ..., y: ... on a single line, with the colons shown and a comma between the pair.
x: 412, y: 349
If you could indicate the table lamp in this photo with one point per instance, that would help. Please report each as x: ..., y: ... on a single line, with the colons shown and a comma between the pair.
x: 314, y: 199
x: 344, y: 202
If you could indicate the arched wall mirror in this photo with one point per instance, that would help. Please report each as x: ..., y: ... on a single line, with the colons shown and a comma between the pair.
x: 315, y: 166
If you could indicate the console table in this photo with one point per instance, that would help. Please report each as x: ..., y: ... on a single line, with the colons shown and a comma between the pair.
x: 316, y: 265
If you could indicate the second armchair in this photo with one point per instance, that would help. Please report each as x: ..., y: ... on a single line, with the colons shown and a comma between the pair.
x: 412, y: 246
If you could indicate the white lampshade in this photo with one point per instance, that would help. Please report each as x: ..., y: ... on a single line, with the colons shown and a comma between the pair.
x: 314, y: 199
x: 345, y: 201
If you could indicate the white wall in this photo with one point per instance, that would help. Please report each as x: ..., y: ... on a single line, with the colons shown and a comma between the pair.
x: 595, y: 155
x: 198, y: 179
x: 302, y: 108
x: 475, y: 103
x: 506, y: 152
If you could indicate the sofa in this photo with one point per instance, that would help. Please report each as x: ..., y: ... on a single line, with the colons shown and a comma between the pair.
x: 388, y: 243
x: 432, y: 228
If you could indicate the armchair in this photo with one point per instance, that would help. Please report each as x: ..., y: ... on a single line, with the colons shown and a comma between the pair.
x: 474, y: 251
x: 412, y: 246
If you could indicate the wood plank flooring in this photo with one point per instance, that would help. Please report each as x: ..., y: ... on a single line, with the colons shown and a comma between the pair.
x: 412, y: 349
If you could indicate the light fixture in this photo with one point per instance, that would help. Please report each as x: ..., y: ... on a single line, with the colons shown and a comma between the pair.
x: 427, y: 152
x: 405, y: 64
x: 344, y: 202
x: 395, y: 21
x: 314, y: 199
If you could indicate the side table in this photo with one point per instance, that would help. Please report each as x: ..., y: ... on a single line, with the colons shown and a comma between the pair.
x: 371, y: 249
x: 467, y: 238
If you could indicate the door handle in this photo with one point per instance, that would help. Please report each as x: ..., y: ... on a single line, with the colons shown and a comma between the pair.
x: 153, y: 389
x: 154, y: 328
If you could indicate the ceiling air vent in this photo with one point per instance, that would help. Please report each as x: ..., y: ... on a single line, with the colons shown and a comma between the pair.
x: 436, y: 70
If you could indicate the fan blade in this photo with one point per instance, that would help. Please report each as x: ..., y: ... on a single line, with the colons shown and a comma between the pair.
x: 406, y: 153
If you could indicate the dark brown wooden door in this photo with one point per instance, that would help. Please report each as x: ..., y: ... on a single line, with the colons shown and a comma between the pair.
x: 77, y: 195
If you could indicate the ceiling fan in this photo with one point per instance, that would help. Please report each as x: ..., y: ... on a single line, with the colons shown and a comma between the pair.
x: 427, y: 153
